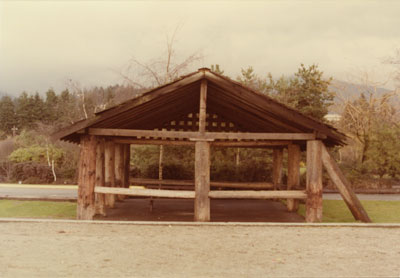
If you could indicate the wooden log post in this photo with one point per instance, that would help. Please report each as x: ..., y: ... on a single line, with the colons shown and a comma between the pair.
x: 277, y: 167
x: 100, y: 198
x: 203, y: 107
x: 293, y: 179
x: 202, y: 164
x: 87, y: 178
x: 202, y: 181
x: 314, y: 181
x: 160, y: 172
x: 127, y: 157
x: 119, y: 168
x: 109, y: 172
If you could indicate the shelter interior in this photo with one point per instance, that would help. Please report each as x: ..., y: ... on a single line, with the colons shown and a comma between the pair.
x: 204, y: 109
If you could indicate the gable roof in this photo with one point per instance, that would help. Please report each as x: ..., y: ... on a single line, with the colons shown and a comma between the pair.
x: 246, y: 109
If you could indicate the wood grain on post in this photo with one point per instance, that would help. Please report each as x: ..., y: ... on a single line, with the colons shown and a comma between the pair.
x: 119, y: 168
x: 314, y: 181
x: 203, y: 106
x: 202, y: 163
x: 277, y: 167
x: 202, y: 181
x: 344, y: 187
x: 100, y: 198
x: 293, y: 179
x: 109, y: 172
x: 127, y: 157
x: 87, y: 178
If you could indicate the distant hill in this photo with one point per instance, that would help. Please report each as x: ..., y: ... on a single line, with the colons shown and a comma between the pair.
x: 349, y: 91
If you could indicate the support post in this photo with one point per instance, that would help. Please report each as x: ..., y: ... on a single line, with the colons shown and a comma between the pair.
x: 109, y: 173
x: 277, y: 167
x: 87, y: 178
x: 203, y: 107
x: 127, y: 157
x: 100, y: 198
x: 293, y: 179
x: 161, y: 164
x: 119, y: 168
x: 314, y: 181
x: 202, y: 163
x: 202, y: 181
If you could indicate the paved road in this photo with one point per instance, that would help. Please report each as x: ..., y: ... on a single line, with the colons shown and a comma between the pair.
x: 70, y: 192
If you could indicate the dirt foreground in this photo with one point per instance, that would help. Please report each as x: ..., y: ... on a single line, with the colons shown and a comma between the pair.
x: 63, y: 249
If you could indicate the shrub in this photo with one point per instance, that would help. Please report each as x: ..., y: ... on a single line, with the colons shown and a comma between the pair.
x: 29, y: 172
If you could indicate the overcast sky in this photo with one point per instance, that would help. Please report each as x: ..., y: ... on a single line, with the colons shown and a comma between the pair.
x: 45, y: 44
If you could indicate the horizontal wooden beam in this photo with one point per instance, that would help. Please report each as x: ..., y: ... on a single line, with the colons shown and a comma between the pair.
x: 164, y: 142
x: 146, y: 192
x: 163, y: 182
x: 193, y: 135
x: 273, y: 194
x: 252, y: 185
x: 250, y: 144
x: 227, y: 144
x: 226, y: 194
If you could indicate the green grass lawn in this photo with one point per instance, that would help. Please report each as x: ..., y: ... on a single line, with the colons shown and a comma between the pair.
x: 378, y: 211
x: 37, y: 209
x: 333, y: 211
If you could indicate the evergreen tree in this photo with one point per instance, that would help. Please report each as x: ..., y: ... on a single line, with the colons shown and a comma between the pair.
x: 7, y: 115
x: 38, y: 108
x: 216, y: 68
x: 250, y: 79
x: 51, y: 107
x: 307, y: 91
x: 24, y: 115
x: 312, y: 96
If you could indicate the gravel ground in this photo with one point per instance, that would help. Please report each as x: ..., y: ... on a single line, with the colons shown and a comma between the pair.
x: 54, y: 249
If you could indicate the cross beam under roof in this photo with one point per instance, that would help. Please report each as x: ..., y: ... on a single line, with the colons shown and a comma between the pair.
x: 195, y: 135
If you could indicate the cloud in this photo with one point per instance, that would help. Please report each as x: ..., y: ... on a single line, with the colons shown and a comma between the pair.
x: 42, y: 44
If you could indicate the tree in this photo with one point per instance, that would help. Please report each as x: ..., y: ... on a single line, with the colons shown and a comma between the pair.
x: 362, y: 117
x: 51, y: 107
x: 309, y: 92
x: 7, y: 115
x: 216, y: 68
x: 155, y: 73
x: 395, y: 62
x: 38, y: 108
x: 250, y: 79
x: 160, y: 71
x: 372, y: 123
x: 384, y: 150
x: 67, y: 108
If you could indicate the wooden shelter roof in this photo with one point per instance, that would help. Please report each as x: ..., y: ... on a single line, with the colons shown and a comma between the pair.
x: 231, y: 107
